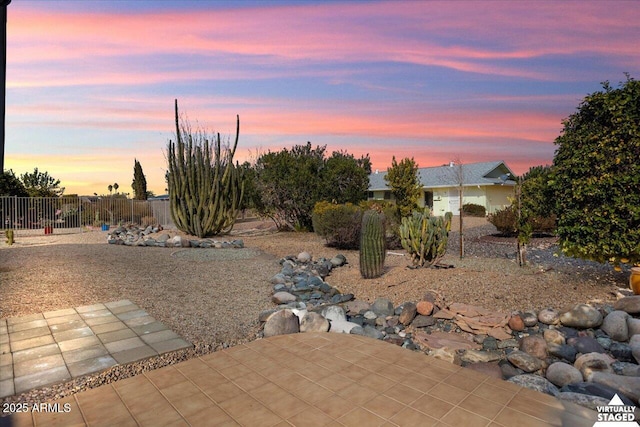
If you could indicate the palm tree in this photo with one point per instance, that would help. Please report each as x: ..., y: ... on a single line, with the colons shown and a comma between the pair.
x: 115, y: 187
x: 110, y: 187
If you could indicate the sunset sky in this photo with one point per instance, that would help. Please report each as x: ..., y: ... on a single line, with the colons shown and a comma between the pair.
x: 91, y: 84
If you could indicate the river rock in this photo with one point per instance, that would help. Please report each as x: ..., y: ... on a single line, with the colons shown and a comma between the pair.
x: 408, y: 313
x: 342, y: 326
x: 529, y: 318
x: 626, y: 368
x: 616, y: 326
x: 314, y: 322
x: 535, y: 382
x: 333, y: 313
x: 304, y: 257
x: 634, y: 343
x: 630, y: 304
x: 535, y: 345
x: 516, y: 323
x: 382, y: 307
x: 594, y: 389
x: 356, y: 306
x: 633, y: 326
x: 283, y: 297
x: 585, y: 400
x: 563, y: 351
x: 581, y: 316
x: 591, y: 362
x: 368, y: 331
x: 508, y: 370
x: 621, y: 351
x: 629, y: 386
x: 549, y: 316
x: 525, y: 361
x: 586, y: 345
x: 551, y: 336
x: 561, y: 374
x: 424, y: 307
x: 338, y: 260
x: 281, y: 323
x: 480, y: 356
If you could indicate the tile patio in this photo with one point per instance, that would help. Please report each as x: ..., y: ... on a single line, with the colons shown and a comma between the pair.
x: 55, y: 346
x: 312, y: 379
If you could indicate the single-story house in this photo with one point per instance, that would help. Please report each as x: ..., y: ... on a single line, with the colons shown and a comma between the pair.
x: 489, y: 184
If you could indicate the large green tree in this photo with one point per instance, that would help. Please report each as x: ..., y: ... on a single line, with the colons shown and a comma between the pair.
x: 288, y: 183
x: 405, y: 185
x: 41, y: 184
x: 10, y: 185
x: 139, y: 184
x: 596, y: 176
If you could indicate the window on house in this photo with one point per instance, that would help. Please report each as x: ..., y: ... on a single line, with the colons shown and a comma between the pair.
x: 428, y: 199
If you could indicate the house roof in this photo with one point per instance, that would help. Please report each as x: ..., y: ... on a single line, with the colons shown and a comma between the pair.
x: 484, y: 173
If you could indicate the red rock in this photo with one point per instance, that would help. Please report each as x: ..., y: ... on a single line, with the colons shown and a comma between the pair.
x: 424, y: 307
x: 516, y: 323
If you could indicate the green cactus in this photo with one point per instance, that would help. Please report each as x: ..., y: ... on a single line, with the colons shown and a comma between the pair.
x: 372, y: 245
x: 205, y: 187
x: 9, y: 235
x: 425, y: 238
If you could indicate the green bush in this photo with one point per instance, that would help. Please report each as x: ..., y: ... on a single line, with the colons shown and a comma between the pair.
x: 338, y: 224
x: 505, y: 221
x: 471, y: 209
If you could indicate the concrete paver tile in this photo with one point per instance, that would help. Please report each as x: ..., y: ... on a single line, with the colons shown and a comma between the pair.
x: 63, y: 319
x: 410, y: 417
x: 65, y: 326
x: 17, y: 327
x: 360, y: 417
x: 29, y: 333
x: 248, y: 411
x: 63, y: 413
x: 148, y: 328
x: 95, y: 314
x: 77, y: 343
x: 94, y: 321
x: 58, y: 313
x: 155, y: 337
x: 75, y: 356
x: 211, y: 415
x: 117, y: 335
x: 33, y: 366
x: 132, y: 314
x: 124, y: 309
x: 6, y: 388
x: 42, y: 378
x: 3, y: 326
x: 28, y: 318
x: 192, y: 404
x: 6, y: 359
x: 119, y: 303
x: 139, y: 321
x: 4, y: 338
x: 6, y: 372
x: 170, y: 345
x: 108, y: 327
x: 36, y: 352
x: 87, y: 366
x: 134, y: 354
x: 162, y: 416
x: 92, y: 307
x: 72, y: 334
x: 31, y: 343
x: 125, y: 344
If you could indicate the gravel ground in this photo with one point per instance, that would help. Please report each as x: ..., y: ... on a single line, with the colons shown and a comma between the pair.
x: 212, y: 297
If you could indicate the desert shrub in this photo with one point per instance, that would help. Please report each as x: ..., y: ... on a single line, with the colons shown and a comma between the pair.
x: 505, y: 221
x: 471, y: 209
x: 338, y: 224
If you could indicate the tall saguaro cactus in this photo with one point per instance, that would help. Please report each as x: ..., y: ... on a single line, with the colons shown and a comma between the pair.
x: 205, y: 187
x: 372, y: 245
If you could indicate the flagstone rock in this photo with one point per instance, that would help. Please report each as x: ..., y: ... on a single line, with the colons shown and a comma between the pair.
x: 535, y: 382
x: 561, y: 374
x: 630, y: 304
x: 480, y: 356
x: 439, y: 339
x: 581, y: 316
x: 421, y: 321
x: 616, y: 326
x: 445, y: 353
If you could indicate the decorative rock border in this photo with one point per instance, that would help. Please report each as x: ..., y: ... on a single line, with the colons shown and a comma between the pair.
x: 134, y: 236
x: 584, y: 354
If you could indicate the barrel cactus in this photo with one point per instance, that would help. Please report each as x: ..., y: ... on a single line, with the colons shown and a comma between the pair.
x: 372, y: 245
x: 425, y: 238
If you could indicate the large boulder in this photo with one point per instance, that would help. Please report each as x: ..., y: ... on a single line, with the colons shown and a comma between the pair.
x: 535, y: 345
x: 314, y: 322
x: 561, y: 374
x: 281, y: 323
